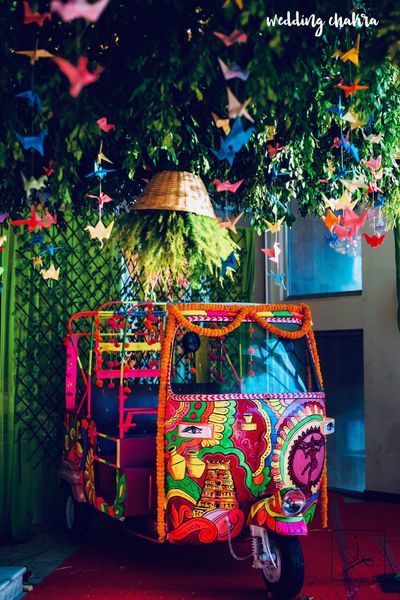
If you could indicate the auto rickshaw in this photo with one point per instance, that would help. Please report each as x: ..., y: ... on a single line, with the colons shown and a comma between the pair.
x: 198, y: 423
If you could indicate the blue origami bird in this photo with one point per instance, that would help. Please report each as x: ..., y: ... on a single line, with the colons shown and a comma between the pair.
x: 342, y: 172
x: 51, y: 250
x: 277, y: 204
x: 350, y: 148
x: 36, y: 239
x: 275, y: 173
x: 229, y: 263
x: 332, y: 239
x: 32, y: 99
x: 33, y: 141
x: 380, y: 200
x: 337, y: 110
x: 234, y: 142
x: 278, y: 279
x: 99, y: 172
x: 371, y: 119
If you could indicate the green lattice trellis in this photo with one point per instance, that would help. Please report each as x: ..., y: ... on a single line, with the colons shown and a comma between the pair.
x: 88, y: 278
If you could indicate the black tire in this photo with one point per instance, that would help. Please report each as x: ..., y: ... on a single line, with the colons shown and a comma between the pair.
x: 286, y: 581
x: 76, y: 517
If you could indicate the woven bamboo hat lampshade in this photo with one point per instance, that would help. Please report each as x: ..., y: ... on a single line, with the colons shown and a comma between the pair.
x: 175, y: 191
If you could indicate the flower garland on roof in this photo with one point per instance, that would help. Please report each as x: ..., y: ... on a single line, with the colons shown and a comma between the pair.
x: 244, y: 312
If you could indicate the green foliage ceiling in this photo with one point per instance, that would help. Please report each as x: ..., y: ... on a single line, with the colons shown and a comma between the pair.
x: 161, y: 81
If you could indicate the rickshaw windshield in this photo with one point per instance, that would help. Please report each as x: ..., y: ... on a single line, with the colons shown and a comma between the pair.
x: 249, y: 360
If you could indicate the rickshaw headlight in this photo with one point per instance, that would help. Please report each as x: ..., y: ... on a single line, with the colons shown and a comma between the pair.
x: 293, y: 502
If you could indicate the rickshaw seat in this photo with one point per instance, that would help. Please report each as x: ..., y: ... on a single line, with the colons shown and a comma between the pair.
x: 105, y: 408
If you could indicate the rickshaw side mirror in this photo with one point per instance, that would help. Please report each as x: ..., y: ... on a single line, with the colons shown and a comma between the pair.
x: 327, y: 426
x: 191, y: 342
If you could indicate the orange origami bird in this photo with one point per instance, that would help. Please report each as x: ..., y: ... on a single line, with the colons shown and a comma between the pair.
x: 34, y: 55
x: 230, y: 224
x: 352, y: 88
x: 223, y: 123
x: 330, y: 220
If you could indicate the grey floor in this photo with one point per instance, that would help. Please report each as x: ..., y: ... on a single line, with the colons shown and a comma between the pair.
x: 45, y: 550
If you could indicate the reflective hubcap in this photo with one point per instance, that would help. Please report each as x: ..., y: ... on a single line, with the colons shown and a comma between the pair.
x: 273, y: 574
x: 69, y: 512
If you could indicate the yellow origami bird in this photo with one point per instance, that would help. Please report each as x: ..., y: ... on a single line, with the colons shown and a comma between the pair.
x: 352, y: 118
x: 223, y: 123
x: 37, y: 261
x: 239, y: 4
x: 33, y: 184
x: 330, y: 202
x: 99, y: 232
x: 34, y: 55
x: 101, y: 156
x: 345, y: 201
x: 3, y: 239
x: 270, y: 131
x: 51, y: 272
x: 352, y: 55
x: 353, y: 185
x: 374, y: 139
x: 236, y: 109
x: 230, y: 224
x: 274, y: 227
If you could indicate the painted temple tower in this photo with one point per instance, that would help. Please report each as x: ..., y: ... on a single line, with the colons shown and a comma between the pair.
x: 218, y: 490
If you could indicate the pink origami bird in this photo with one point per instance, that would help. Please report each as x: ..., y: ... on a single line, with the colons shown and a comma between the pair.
x: 343, y: 233
x: 236, y: 108
x: 233, y: 72
x: 272, y: 253
x: 75, y: 9
x: 237, y: 35
x: 373, y: 163
x: 48, y: 219
x: 102, y: 199
x: 103, y: 125
x: 78, y: 76
x: 34, y: 17
x: 352, y: 221
x: 373, y: 188
x: 227, y: 186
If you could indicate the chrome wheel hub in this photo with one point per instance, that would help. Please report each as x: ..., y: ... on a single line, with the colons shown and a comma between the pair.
x: 273, y: 573
x: 69, y: 512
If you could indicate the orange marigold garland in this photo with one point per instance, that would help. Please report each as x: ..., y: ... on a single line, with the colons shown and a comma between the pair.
x: 166, y: 349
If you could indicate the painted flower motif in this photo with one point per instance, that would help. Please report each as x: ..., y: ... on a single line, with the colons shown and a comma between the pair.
x: 91, y: 433
x: 75, y: 453
x: 88, y: 477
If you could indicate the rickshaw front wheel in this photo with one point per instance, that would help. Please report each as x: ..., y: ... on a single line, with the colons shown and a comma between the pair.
x: 285, y: 579
x: 76, y: 517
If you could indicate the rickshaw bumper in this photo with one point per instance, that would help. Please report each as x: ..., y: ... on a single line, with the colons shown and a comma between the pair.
x: 272, y: 513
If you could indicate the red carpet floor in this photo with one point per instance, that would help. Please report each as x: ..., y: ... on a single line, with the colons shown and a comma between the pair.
x: 340, y: 564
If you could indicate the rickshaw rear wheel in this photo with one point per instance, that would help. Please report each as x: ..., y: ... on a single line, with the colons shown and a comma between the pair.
x: 76, y: 517
x: 285, y: 580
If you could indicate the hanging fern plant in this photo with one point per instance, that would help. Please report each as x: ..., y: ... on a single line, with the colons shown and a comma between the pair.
x: 173, y: 246
x: 172, y: 232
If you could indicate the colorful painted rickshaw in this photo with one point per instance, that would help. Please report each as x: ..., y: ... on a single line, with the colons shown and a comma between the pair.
x: 198, y: 423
